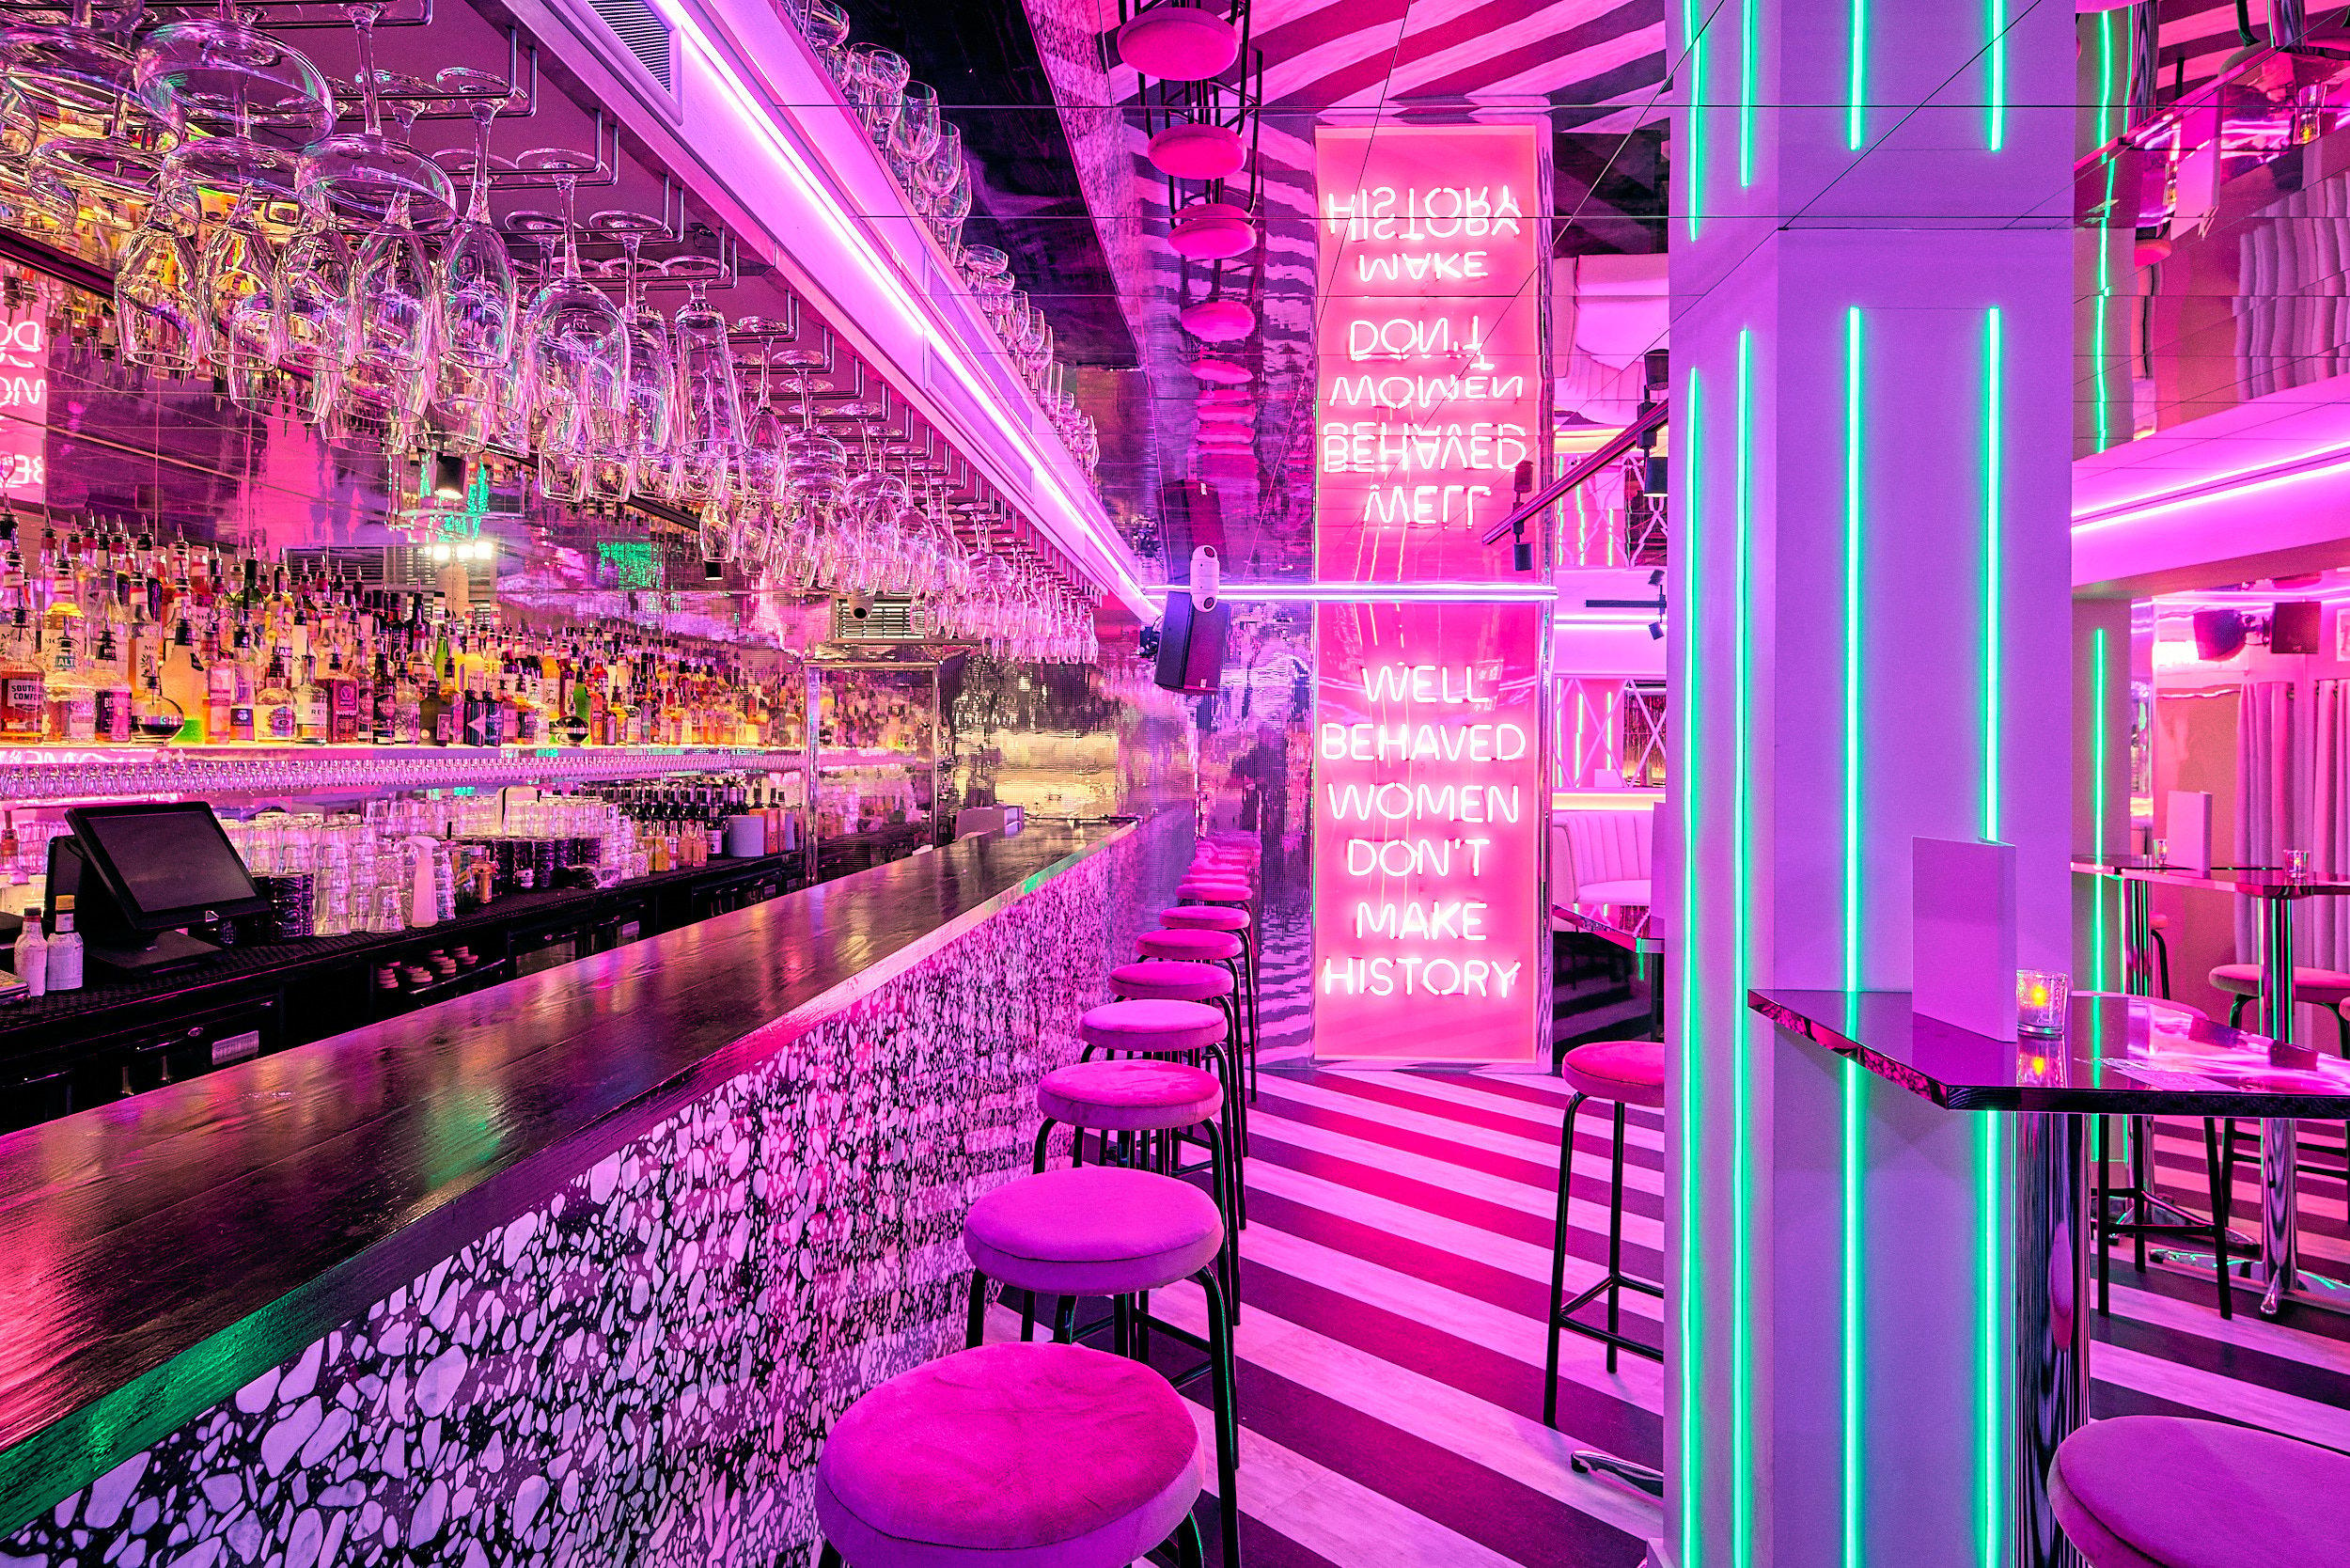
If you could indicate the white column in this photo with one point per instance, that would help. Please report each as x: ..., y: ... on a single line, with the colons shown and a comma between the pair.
x: 1870, y: 401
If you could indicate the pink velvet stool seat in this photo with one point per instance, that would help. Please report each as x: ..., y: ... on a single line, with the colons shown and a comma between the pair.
x: 1093, y: 1229
x: 1629, y: 1071
x: 1198, y: 890
x: 1161, y: 980
x: 1128, y: 1096
x: 2170, y: 1492
x: 1195, y: 945
x: 1190, y: 945
x: 1012, y: 1455
x: 1113, y: 1230
x: 1153, y: 1027
x: 1617, y: 1072
x: 1161, y: 1103
x: 1204, y: 917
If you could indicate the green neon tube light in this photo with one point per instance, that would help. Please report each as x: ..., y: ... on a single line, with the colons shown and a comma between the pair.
x: 1749, y: 73
x: 1741, y: 1141
x: 1694, y: 32
x: 1994, y: 563
x: 2100, y: 694
x: 1687, y: 544
x: 1990, y: 1371
x: 1995, y: 86
x: 1857, y: 79
x: 1852, y: 643
x: 1854, y: 1151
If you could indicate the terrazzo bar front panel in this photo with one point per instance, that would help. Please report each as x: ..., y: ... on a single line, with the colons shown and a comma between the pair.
x: 631, y: 1357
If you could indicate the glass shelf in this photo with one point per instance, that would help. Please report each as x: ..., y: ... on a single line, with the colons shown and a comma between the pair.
x: 49, y: 775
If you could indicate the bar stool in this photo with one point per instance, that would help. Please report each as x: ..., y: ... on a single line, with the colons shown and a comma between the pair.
x: 1012, y: 1454
x: 1621, y: 1072
x: 2171, y: 1492
x: 1163, y: 1098
x: 1191, y: 1031
x: 1114, y: 1232
x: 1189, y: 944
x: 2326, y: 988
x: 1183, y: 980
x: 1225, y: 918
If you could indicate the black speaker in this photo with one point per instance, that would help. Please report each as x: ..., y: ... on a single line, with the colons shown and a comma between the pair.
x: 2295, y: 626
x: 2219, y: 634
x: 1191, y: 644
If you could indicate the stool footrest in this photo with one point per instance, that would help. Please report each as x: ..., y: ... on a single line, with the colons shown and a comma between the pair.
x: 1574, y: 1304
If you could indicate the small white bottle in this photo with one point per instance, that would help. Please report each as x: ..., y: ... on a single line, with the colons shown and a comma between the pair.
x: 30, y: 959
x: 64, y: 948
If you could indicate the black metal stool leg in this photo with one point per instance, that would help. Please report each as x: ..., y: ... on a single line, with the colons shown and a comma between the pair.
x: 2216, y: 1173
x: 1615, y: 1237
x: 1559, y: 1262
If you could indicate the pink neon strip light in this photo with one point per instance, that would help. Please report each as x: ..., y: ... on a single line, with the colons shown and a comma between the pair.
x: 754, y: 115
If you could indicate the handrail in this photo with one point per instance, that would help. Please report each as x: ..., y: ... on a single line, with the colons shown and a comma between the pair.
x: 1581, y: 473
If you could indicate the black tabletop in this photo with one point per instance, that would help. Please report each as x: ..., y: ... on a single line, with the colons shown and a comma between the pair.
x: 2258, y: 882
x: 302, y: 1185
x: 2131, y: 1056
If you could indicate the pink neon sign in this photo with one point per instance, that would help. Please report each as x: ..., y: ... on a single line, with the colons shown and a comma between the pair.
x: 23, y: 407
x: 1429, y: 348
x: 1428, y: 799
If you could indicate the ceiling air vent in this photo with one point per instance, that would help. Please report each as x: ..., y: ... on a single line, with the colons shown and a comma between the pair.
x: 889, y: 618
x: 648, y: 38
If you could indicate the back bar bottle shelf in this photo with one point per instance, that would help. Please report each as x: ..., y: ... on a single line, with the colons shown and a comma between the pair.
x: 49, y: 775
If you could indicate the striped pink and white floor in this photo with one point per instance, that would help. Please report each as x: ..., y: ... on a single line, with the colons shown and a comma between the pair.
x: 1394, y: 1274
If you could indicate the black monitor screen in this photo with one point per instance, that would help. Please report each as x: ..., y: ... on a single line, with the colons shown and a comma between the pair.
x: 168, y: 865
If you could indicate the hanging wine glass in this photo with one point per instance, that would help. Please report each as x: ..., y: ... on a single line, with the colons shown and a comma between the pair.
x: 366, y: 178
x: 66, y: 71
x: 158, y: 306
x: 877, y: 78
x: 648, y: 413
x: 827, y: 29
x: 913, y: 134
x: 574, y: 347
x: 243, y: 102
x: 710, y: 407
x: 314, y: 278
x: 100, y: 186
x: 237, y: 273
x: 392, y: 338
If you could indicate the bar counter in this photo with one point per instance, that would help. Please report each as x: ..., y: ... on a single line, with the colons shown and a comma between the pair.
x: 681, y: 1187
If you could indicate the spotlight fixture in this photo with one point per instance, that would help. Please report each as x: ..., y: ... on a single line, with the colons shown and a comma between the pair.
x: 449, y: 478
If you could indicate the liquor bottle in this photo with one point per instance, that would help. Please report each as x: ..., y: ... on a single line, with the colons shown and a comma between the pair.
x: 30, y: 957
x: 72, y: 701
x: 407, y: 713
x: 435, y: 723
x: 23, y: 683
x: 240, y: 684
x: 342, y: 701
x: 277, y: 720
x: 110, y: 688
x: 385, y: 718
x: 314, y: 719
x: 186, y: 683
x: 155, y: 718
x: 65, y: 947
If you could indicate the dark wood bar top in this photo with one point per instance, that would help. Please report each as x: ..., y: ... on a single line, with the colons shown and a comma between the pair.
x: 147, y: 1244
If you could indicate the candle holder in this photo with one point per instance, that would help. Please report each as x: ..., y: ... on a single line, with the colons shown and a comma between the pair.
x: 2041, y: 999
x: 2296, y: 865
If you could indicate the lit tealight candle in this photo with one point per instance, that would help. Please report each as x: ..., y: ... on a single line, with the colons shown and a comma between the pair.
x: 2040, y: 999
